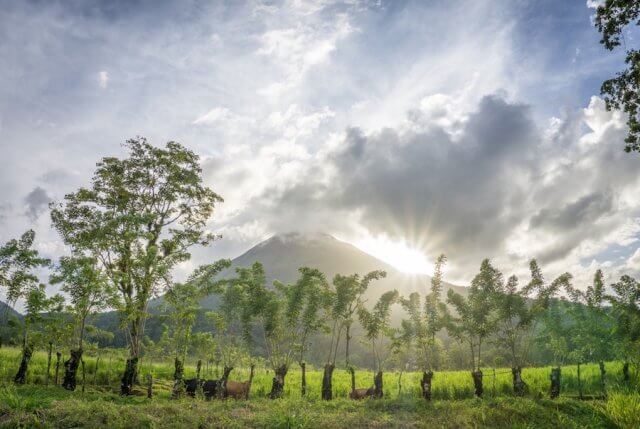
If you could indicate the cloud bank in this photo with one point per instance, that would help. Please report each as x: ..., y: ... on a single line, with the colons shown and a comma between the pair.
x: 464, y: 127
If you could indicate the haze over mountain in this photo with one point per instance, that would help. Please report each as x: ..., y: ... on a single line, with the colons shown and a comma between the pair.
x: 282, y: 255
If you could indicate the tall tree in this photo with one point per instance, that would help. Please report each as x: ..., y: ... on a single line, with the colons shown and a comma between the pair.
x: 376, y: 323
x: 342, y: 304
x: 423, y: 324
x: 622, y: 91
x: 89, y: 292
x: 303, y: 309
x: 139, y: 218
x: 476, y: 316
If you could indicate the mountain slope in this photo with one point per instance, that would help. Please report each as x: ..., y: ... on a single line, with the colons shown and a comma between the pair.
x: 282, y: 255
x: 7, y: 312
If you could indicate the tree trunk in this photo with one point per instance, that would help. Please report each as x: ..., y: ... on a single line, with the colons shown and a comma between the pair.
x: 126, y: 383
x: 178, y: 373
x: 149, y: 386
x: 477, y: 383
x: 250, y: 380
x: 579, y: 383
x: 303, y: 370
x: 377, y: 385
x: 58, y: 357
x: 352, y: 372
x: 198, y: 392
x: 130, y: 375
x: 222, y: 382
x: 346, y: 348
x: 277, y: 386
x: 625, y: 372
x: 84, y: 376
x: 95, y: 372
x: 400, y: 383
x: 71, y: 369
x: 327, y: 378
x: 555, y: 382
x: 518, y: 384
x: 21, y: 375
x: 46, y: 379
x: 425, y: 384
x: 603, y: 386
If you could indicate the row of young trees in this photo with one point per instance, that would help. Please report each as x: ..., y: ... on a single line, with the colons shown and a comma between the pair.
x: 141, y: 216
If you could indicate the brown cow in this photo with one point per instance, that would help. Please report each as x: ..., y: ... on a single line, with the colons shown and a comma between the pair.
x: 358, y: 394
x: 239, y: 389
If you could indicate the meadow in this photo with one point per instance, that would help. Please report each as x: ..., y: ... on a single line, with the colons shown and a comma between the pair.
x: 453, y: 405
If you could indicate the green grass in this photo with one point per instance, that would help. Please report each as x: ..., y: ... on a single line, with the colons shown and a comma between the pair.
x: 36, y: 405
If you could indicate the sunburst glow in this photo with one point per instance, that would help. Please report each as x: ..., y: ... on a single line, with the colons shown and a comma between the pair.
x: 397, y: 253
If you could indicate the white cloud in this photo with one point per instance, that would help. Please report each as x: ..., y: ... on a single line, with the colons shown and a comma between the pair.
x: 214, y: 115
x: 295, y: 50
x: 634, y: 261
x: 103, y: 79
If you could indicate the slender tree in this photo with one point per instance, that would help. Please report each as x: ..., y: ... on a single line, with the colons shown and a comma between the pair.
x: 342, y: 305
x: 55, y: 330
x: 18, y: 262
x: 591, y: 329
x: 89, y: 292
x: 625, y: 301
x: 519, y: 310
x: 182, y: 305
x: 139, y: 218
x: 303, y: 309
x: 554, y: 335
x: 376, y: 323
x: 38, y: 307
x: 283, y: 317
x: 476, y: 316
x: 424, y: 322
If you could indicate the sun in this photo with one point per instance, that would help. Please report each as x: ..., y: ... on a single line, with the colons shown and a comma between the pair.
x: 396, y: 253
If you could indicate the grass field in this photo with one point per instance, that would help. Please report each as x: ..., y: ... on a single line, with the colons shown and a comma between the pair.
x: 36, y: 405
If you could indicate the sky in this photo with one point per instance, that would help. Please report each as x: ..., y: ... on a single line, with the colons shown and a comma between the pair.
x: 408, y: 128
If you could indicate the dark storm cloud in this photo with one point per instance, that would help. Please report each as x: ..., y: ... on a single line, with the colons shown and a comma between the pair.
x: 442, y: 191
x: 455, y: 196
x: 574, y: 214
x: 36, y: 202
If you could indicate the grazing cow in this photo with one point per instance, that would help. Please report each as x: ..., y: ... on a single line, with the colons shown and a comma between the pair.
x: 209, y: 388
x: 191, y: 386
x: 358, y: 394
x: 239, y: 389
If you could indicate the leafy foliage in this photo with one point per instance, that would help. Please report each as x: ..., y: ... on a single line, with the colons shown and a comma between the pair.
x: 476, y: 316
x: 18, y: 260
x: 424, y: 321
x: 622, y: 91
x: 139, y: 218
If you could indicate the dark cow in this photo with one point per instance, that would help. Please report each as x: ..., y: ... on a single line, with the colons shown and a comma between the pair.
x: 209, y: 388
x: 191, y: 386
